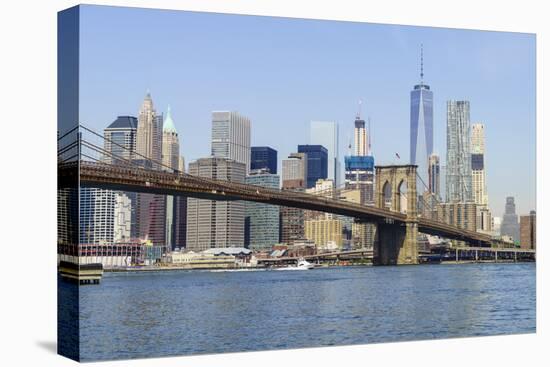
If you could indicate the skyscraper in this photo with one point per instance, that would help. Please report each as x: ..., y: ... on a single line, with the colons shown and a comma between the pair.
x: 120, y: 142
x: 262, y: 220
x: 220, y: 223
x: 170, y: 143
x: 360, y: 137
x: 150, y: 208
x: 292, y: 219
x: 295, y: 169
x: 478, y: 165
x: 149, y: 131
x: 263, y: 158
x: 317, y: 162
x: 156, y: 219
x: 434, y: 173
x: 359, y: 175
x: 459, y: 164
x: 105, y: 216
x: 421, y: 127
x: 479, y: 186
x: 478, y: 138
x: 294, y: 178
x: 231, y: 137
x: 509, y: 225
x: 212, y: 223
x: 180, y: 207
x: 325, y: 133
x: 120, y: 139
x: 170, y: 160
x: 459, y: 214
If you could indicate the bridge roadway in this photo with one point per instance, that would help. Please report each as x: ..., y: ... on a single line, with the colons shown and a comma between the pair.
x: 127, y: 178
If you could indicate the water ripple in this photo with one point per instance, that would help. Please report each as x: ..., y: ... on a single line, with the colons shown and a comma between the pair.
x: 159, y: 314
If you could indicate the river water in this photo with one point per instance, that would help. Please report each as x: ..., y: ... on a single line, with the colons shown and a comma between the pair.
x: 135, y: 315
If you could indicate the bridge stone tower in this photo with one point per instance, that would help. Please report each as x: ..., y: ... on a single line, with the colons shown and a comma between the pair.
x: 396, y: 243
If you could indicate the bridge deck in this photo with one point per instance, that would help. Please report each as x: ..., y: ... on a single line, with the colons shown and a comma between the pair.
x: 127, y: 178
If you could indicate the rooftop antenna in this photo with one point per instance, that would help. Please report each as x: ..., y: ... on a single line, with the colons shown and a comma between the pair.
x: 421, y: 64
x: 359, y: 110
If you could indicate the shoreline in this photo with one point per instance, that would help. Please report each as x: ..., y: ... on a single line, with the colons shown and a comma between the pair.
x: 263, y: 268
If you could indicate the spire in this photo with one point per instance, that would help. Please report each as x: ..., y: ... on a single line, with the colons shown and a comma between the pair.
x: 358, y: 117
x: 168, y: 125
x: 421, y: 64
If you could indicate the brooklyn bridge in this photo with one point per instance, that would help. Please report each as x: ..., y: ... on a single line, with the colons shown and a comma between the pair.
x: 397, y: 227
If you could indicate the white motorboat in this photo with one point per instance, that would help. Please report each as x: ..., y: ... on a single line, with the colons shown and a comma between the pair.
x: 302, y: 265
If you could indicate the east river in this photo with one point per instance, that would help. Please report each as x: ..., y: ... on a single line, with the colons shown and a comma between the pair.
x: 131, y: 315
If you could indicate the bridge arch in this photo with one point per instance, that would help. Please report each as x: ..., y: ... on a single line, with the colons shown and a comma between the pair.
x: 387, y: 193
x: 399, y: 182
x: 396, y: 243
x: 402, y: 197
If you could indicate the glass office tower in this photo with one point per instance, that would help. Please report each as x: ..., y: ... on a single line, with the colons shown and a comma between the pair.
x: 325, y: 133
x: 421, y: 139
x: 317, y: 163
x: 263, y: 158
x: 261, y: 220
x: 421, y: 128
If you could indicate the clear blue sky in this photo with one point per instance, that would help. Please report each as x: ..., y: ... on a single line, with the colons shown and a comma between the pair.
x: 282, y: 73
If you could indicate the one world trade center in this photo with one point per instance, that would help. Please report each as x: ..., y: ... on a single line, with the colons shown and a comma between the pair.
x: 421, y: 143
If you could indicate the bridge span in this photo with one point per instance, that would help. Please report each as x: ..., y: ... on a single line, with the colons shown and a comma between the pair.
x: 398, y: 231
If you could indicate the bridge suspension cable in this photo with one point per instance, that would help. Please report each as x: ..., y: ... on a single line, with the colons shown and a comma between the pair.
x: 67, y: 133
x: 128, y: 150
x: 68, y: 147
x: 240, y: 190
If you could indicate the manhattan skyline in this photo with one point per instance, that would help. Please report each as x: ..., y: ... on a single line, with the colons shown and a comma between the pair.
x: 313, y: 70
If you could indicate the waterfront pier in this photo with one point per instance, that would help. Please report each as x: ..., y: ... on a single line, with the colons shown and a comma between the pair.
x: 81, y: 273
